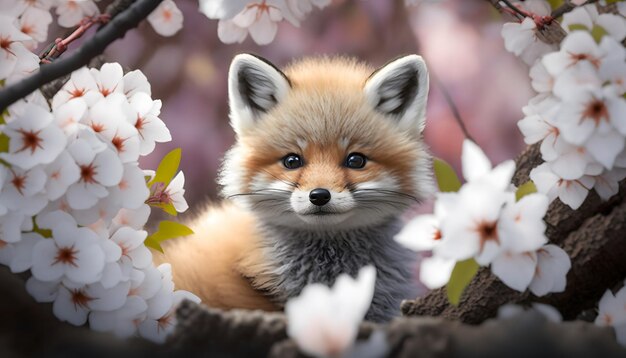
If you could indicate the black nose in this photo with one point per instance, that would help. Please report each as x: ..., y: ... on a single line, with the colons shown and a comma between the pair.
x: 319, y: 196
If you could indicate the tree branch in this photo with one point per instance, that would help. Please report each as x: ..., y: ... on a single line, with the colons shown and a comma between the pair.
x: 452, y: 105
x: 110, y: 32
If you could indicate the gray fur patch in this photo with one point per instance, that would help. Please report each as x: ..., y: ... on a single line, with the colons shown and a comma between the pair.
x: 299, y: 257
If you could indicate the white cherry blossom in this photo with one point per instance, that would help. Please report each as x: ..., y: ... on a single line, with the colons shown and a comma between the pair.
x: 541, y: 80
x: 521, y: 223
x: 572, y: 162
x: 18, y: 256
x: 73, y: 252
x: 588, y: 17
x: 435, y: 271
x: 136, y: 218
x: 97, y: 172
x: 12, y: 50
x: 323, y: 321
x: 174, y: 193
x: 71, y: 12
x: 611, y: 311
x: 109, y: 78
x: 161, y: 312
x: 34, y: 22
x: 297, y: 10
x: 553, y: 264
x: 613, y: 71
x: 579, y: 48
x: 258, y: 18
x: 123, y: 321
x: 62, y: 173
x: 23, y: 190
x: 607, y: 183
x: 132, y: 190
x: 28, y: 63
x: 516, y: 270
x: 158, y: 329
x: 166, y: 19
x: 42, y: 291
x: 521, y: 38
x: 34, y: 139
x: 74, y: 304
x: 11, y: 226
x: 16, y: 8
x: 69, y: 115
x: 477, y: 168
x: 110, y: 118
x: 588, y: 110
x: 146, y: 283
x: 99, y: 216
x: 134, y: 252
x: 423, y: 233
x: 222, y: 9
x: 570, y: 192
x: 81, y: 84
x: 538, y: 126
x: 136, y: 82
x: 150, y: 127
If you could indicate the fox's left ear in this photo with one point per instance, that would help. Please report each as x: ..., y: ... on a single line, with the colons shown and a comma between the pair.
x: 400, y: 90
x: 255, y: 86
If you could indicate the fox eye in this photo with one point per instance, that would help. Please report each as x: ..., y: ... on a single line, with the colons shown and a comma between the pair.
x: 356, y: 161
x: 292, y: 161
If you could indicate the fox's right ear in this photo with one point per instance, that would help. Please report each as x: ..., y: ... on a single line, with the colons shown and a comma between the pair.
x: 255, y: 86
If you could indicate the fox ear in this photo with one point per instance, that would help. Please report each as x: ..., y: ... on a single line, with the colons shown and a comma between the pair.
x: 255, y: 86
x: 400, y: 90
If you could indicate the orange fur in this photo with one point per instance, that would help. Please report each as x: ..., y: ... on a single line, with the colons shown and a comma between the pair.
x: 208, y: 263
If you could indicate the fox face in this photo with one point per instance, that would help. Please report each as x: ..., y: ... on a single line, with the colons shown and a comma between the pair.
x: 328, y: 143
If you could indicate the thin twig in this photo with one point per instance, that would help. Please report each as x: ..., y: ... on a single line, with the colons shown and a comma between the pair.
x: 112, y: 31
x: 566, y: 7
x: 514, y: 8
x: 452, y: 105
x: 61, y: 44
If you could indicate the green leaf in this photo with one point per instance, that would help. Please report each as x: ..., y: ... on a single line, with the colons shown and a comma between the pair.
x: 447, y: 180
x: 525, y: 189
x: 168, y: 208
x: 167, y: 168
x: 167, y: 230
x: 462, y: 275
x: 598, y: 32
x: 153, y: 244
x: 43, y: 232
x: 575, y: 27
x: 555, y: 3
x: 4, y: 143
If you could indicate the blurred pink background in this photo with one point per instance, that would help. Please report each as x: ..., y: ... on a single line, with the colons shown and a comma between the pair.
x: 460, y: 41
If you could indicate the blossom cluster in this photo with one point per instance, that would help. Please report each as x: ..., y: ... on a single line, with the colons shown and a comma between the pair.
x: 259, y: 18
x: 484, y: 222
x: 74, y: 202
x: 612, y: 313
x: 32, y: 18
x: 578, y: 116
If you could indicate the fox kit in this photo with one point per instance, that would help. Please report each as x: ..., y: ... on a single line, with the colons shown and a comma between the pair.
x: 329, y: 154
